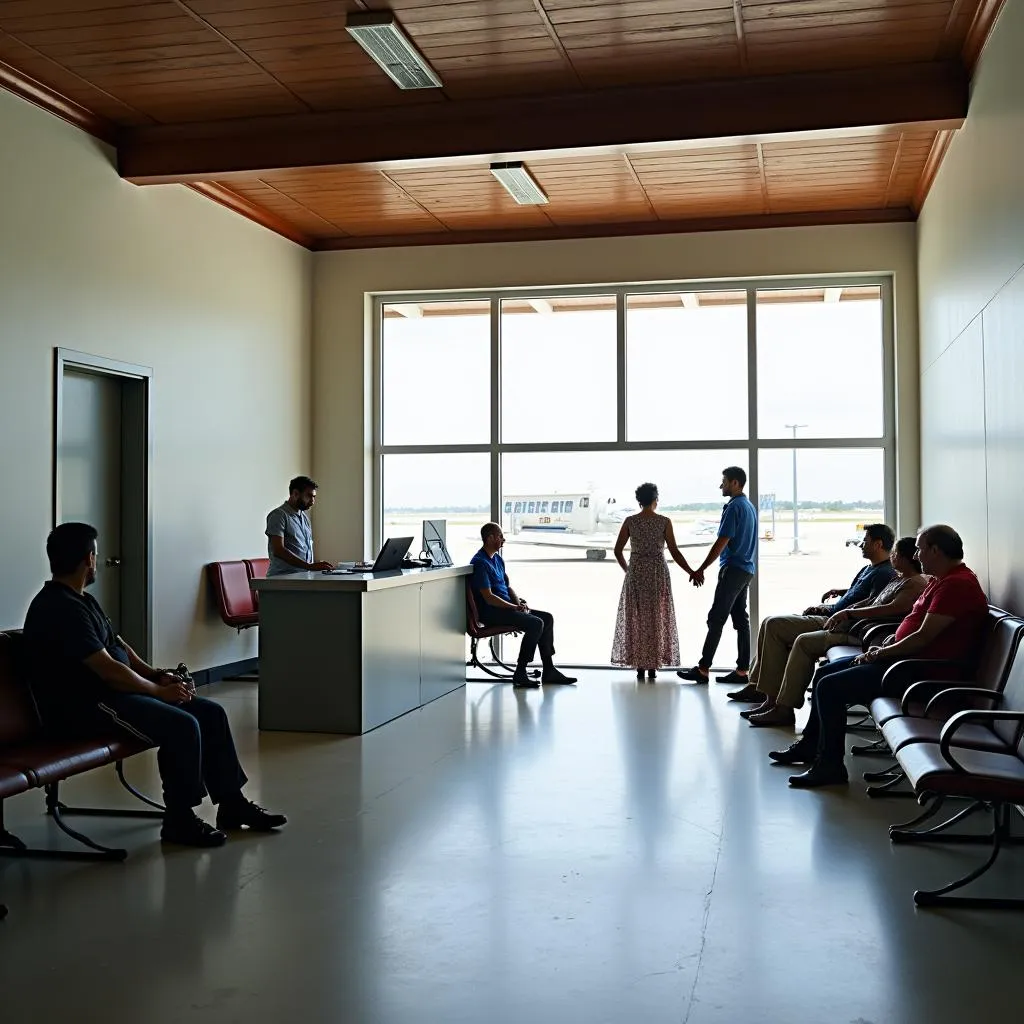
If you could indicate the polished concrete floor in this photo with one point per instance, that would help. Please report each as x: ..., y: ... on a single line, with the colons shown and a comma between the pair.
x: 611, y: 852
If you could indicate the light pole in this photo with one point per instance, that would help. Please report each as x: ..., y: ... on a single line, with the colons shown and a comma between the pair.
x: 796, y: 511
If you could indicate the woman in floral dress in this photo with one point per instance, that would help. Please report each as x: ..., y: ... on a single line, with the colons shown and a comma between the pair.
x: 646, y: 635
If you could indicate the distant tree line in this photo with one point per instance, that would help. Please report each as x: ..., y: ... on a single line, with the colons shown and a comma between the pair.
x: 874, y: 505
x: 484, y: 509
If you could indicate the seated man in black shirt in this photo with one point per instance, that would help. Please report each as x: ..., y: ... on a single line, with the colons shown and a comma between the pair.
x: 85, y: 677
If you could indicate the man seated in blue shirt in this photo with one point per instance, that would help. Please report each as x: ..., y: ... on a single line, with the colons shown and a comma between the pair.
x: 735, y: 550
x: 499, y: 605
x: 778, y: 633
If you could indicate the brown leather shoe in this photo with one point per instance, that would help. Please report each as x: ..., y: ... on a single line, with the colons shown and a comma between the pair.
x: 750, y: 694
x: 778, y: 715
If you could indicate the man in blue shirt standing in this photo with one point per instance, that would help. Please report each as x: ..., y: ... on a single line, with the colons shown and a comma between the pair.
x: 735, y: 550
x: 499, y: 605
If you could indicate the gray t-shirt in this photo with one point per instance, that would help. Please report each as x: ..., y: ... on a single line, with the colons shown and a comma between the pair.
x: 294, y: 527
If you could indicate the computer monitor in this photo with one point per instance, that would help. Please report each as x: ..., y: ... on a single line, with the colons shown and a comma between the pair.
x: 434, y: 545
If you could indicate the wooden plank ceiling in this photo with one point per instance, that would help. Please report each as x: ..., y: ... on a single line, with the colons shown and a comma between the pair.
x: 212, y: 65
x: 869, y: 172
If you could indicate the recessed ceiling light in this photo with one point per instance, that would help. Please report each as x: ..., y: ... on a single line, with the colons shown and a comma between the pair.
x: 380, y: 35
x: 519, y: 183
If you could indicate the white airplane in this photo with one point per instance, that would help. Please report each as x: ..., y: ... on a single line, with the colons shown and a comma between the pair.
x: 562, y: 511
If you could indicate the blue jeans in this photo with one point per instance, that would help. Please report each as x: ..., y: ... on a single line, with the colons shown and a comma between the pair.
x: 730, y: 600
x: 836, y: 687
x: 196, y: 749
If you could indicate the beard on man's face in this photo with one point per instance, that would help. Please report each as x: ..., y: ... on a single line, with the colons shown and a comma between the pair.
x: 90, y: 577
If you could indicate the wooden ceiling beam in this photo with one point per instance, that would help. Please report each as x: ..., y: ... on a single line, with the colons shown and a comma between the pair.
x: 980, y: 29
x: 892, y: 215
x: 925, y: 95
x: 17, y: 82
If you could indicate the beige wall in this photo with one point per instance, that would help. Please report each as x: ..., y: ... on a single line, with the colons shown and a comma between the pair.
x: 218, y: 307
x: 342, y: 355
x: 971, y: 267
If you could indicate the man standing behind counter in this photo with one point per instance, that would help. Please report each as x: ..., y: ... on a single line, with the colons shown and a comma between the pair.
x: 289, y: 534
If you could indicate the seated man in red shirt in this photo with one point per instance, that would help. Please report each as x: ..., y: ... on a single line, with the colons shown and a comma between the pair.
x: 946, y: 621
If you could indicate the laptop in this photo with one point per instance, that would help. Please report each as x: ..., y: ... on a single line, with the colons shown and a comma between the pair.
x: 389, y: 558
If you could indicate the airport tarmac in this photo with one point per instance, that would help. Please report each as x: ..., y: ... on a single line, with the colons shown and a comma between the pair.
x: 553, y: 572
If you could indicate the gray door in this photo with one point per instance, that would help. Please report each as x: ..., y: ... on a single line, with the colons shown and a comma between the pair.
x: 90, y: 473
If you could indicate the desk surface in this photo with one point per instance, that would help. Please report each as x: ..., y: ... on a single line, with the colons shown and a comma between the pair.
x: 357, y: 581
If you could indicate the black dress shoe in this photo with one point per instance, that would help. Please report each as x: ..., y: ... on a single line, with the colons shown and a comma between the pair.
x: 694, y: 675
x: 750, y: 694
x: 554, y: 676
x: 733, y: 679
x: 756, y: 709
x: 795, y: 753
x: 522, y: 680
x: 242, y: 813
x: 190, y: 830
x: 776, y: 715
x: 820, y: 774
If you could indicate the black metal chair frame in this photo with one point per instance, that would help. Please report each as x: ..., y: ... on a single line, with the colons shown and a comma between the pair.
x: 1001, y: 834
x: 12, y: 846
x: 507, y: 671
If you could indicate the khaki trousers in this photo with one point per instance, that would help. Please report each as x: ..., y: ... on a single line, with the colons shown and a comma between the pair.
x: 775, y: 639
x: 802, y: 661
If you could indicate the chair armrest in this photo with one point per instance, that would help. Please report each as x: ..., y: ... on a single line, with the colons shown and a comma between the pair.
x: 878, y: 631
x: 911, y: 670
x: 922, y: 690
x: 971, y: 718
x: 954, y: 693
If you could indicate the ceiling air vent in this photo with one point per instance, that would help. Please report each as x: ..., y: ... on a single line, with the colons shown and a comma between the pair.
x: 519, y: 183
x: 382, y: 38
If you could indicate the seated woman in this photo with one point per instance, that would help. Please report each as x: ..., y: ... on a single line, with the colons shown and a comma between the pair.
x: 845, y: 627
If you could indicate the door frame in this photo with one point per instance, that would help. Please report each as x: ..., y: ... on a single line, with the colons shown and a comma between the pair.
x: 136, y: 456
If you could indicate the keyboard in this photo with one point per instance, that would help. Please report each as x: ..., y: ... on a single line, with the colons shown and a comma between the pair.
x: 348, y: 568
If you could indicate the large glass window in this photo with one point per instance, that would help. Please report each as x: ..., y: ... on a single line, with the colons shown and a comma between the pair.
x: 423, y: 347
x: 558, y: 369
x: 819, y: 362
x: 686, y: 352
x: 837, y: 492
x: 602, y: 390
x: 454, y: 488
x: 563, y: 562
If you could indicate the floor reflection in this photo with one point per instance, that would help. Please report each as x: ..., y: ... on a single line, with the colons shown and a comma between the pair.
x: 607, y: 852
